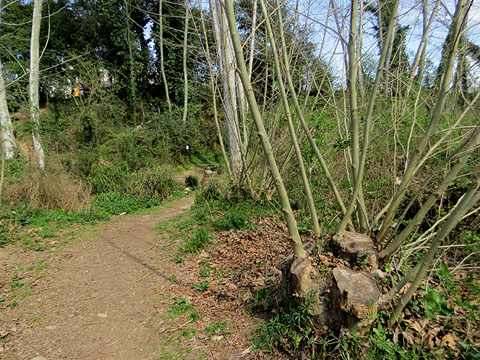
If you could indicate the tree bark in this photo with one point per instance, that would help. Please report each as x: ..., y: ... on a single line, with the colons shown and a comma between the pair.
x: 162, y: 64
x: 226, y: 58
x: 34, y: 82
x: 5, y: 121
x: 185, y: 70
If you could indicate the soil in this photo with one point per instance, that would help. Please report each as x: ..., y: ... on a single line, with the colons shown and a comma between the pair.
x: 108, y: 295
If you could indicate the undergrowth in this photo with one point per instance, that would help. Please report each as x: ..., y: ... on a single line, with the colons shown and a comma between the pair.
x: 219, y: 208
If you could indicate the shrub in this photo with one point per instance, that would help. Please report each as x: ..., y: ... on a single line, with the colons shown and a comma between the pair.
x: 217, y: 188
x: 109, y: 177
x: 52, y: 188
x: 155, y: 181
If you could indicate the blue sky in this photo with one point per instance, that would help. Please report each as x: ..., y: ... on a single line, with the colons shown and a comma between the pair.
x: 410, y: 13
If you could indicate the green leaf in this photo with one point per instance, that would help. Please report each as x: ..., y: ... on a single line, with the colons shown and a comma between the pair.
x: 436, y: 303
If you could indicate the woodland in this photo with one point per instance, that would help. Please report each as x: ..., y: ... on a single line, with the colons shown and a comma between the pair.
x: 332, y: 149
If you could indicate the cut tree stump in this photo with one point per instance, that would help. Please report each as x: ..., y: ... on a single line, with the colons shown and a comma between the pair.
x: 352, y: 245
x: 355, y: 296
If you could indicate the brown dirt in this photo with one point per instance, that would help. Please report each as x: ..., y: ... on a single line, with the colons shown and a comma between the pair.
x: 107, y: 297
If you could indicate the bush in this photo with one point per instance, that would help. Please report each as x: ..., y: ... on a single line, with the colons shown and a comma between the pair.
x: 109, y: 177
x: 52, y: 188
x: 155, y: 181
x: 216, y: 189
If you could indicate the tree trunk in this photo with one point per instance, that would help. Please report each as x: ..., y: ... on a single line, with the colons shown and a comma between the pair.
x: 162, y: 64
x: 34, y: 82
x: 226, y: 58
x: 185, y: 70
x: 297, y: 245
x: 5, y: 121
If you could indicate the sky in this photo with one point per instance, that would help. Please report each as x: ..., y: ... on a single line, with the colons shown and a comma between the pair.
x: 410, y: 13
x: 318, y: 15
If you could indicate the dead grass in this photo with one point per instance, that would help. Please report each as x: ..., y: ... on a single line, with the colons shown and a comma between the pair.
x: 52, y: 188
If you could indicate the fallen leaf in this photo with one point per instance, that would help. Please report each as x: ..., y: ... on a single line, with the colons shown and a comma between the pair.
x: 450, y: 341
x: 419, y: 328
x: 408, y: 337
x: 395, y: 335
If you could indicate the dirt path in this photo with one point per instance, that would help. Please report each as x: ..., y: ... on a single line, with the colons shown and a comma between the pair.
x: 98, y: 299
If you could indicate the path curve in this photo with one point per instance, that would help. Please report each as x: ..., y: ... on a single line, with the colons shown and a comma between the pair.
x: 97, y: 305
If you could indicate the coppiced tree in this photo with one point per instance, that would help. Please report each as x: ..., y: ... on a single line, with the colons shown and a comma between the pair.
x: 391, y: 38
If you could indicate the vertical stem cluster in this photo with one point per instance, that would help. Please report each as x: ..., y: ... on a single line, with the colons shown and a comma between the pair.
x: 293, y: 135
x: 430, y: 130
x: 267, y: 147
x: 368, y: 117
x: 213, y: 89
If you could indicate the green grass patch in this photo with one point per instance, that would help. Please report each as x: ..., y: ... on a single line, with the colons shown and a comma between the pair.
x: 218, y: 327
x: 116, y: 203
x: 41, y: 217
x: 193, y: 244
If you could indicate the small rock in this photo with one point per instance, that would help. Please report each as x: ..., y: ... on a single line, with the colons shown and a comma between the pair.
x: 208, y: 172
x: 39, y: 358
x: 102, y: 315
x: 217, y: 337
x: 51, y: 327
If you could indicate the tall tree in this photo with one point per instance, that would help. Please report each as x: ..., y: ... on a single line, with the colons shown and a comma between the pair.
x: 34, y: 82
x: 226, y: 59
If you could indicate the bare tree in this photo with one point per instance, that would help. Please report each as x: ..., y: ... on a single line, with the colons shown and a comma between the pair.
x: 34, y: 82
x: 226, y: 59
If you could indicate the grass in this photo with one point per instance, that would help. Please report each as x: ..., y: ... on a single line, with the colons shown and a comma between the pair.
x: 193, y: 244
x: 179, y: 307
x: 210, y: 213
x: 218, y: 327
x: 116, y: 203
x: 32, y: 227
